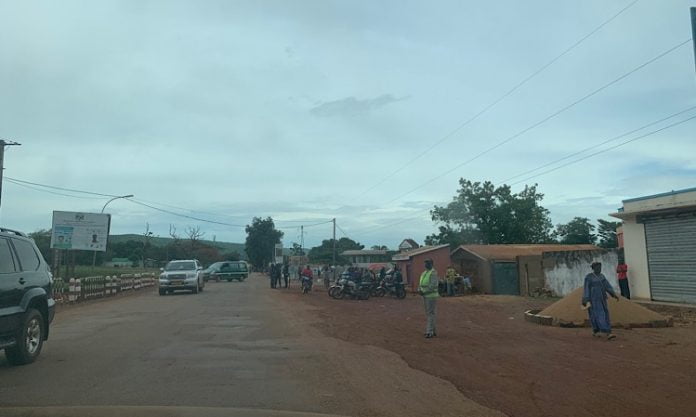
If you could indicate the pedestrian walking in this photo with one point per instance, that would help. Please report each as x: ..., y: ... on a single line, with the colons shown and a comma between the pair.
x: 427, y: 288
x: 622, y: 275
x: 450, y: 276
x: 594, y: 298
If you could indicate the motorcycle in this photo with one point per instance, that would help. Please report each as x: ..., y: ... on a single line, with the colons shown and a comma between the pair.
x: 350, y: 289
x: 392, y: 288
x: 306, y: 284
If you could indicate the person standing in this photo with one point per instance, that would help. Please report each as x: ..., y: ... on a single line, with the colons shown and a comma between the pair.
x: 272, y: 275
x: 450, y: 276
x: 594, y: 298
x: 382, y: 274
x: 622, y: 275
x: 286, y: 274
x: 427, y: 288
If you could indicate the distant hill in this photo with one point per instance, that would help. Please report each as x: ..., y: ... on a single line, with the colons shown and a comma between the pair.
x: 164, y: 241
x: 224, y: 247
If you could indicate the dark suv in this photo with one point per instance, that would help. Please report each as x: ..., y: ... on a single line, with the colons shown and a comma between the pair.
x: 26, y: 302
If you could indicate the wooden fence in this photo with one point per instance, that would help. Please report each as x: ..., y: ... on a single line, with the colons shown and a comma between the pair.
x: 82, y: 289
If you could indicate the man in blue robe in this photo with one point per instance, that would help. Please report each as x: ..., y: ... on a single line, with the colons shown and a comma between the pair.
x: 595, y: 298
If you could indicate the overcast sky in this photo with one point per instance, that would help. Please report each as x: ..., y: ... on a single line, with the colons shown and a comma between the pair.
x: 225, y: 110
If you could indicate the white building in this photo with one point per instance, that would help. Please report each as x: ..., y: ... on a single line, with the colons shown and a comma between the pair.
x: 659, y: 234
x: 363, y: 258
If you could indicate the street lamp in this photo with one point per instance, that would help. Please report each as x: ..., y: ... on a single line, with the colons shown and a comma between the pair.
x: 94, y: 256
x: 115, y: 198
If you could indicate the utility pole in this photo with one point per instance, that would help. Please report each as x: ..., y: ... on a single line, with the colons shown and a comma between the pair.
x: 334, y: 241
x: 302, y: 239
x: 333, y: 266
x: 693, y: 30
x: 4, y: 143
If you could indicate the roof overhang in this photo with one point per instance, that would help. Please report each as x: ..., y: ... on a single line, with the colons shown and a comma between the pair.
x: 628, y: 215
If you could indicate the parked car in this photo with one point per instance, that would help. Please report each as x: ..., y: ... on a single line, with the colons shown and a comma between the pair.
x: 181, y: 275
x: 229, y: 270
x: 208, y: 272
x: 26, y: 299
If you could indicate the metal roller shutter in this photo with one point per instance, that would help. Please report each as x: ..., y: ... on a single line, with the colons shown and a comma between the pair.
x: 671, y: 246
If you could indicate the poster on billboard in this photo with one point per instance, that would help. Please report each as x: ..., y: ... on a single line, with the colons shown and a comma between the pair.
x: 278, y: 253
x: 80, y: 231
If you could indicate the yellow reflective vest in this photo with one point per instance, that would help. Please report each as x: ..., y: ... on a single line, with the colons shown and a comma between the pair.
x: 428, y: 284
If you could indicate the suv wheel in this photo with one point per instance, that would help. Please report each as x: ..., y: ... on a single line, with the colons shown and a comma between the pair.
x: 195, y: 290
x: 29, y: 340
x: 162, y: 292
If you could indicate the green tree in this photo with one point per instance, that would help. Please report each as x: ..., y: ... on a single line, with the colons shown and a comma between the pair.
x: 607, y: 233
x: 323, y: 254
x: 484, y: 213
x: 261, y: 239
x: 379, y: 247
x: 297, y: 250
x: 577, y: 231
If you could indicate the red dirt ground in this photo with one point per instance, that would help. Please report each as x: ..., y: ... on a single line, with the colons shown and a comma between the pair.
x: 493, y: 356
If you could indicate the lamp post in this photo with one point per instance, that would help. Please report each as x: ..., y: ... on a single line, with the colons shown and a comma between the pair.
x: 94, y: 257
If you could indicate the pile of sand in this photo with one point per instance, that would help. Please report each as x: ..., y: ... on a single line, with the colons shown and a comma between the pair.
x: 623, y: 313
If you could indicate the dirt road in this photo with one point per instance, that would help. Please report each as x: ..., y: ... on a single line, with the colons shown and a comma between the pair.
x: 239, y: 346
x: 486, y: 349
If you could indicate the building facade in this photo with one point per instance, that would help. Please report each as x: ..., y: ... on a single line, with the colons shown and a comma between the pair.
x: 412, y: 263
x: 659, y: 242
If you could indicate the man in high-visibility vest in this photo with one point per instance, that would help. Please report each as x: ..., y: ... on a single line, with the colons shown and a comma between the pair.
x: 428, y: 289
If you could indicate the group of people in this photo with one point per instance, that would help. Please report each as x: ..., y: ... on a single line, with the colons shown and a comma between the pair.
x: 595, y: 290
x: 281, y: 272
x: 595, y: 294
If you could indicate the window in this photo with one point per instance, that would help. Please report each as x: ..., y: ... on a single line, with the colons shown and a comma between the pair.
x: 6, y: 262
x: 27, y: 256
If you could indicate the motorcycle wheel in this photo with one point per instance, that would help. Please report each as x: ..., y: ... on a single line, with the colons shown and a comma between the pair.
x: 379, y: 292
x: 339, y: 294
x: 333, y: 291
x: 400, y: 293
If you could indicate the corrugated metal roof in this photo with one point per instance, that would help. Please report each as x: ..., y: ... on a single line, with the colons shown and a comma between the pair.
x: 511, y: 252
x: 423, y: 249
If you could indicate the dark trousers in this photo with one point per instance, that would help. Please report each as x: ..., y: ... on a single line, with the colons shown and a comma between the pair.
x: 286, y: 280
x: 625, y: 291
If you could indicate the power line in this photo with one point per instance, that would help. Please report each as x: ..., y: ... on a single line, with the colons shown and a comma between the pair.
x: 421, y: 213
x: 53, y: 187
x: 499, y: 99
x: 51, y: 192
x: 609, y: 148
x: 599, y: 144
x: 183, y: 215
x: 544, y: 120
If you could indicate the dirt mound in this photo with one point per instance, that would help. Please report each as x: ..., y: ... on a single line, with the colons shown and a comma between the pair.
x: 624, y: 313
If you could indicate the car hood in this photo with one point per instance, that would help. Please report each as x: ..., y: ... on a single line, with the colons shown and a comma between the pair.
x: 150, y: 411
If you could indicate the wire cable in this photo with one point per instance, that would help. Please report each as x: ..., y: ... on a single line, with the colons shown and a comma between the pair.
x: 182, y: 215
x: 61, y: 188
x: 651, y: 133
x: 544, y: 120
x: 608, y: 149
x: 499, y: 99
x: 598, y: 144
x: 12, y: 181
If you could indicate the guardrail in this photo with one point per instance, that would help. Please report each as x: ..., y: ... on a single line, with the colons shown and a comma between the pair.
x: 82, y: 289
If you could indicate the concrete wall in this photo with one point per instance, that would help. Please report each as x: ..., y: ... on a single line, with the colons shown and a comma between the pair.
x: 565, y: 271
x: 636, y: 256
x: 414, y: 267
x: 660, y: 202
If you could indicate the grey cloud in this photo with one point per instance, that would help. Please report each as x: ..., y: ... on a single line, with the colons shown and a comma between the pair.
x: 350, y: 106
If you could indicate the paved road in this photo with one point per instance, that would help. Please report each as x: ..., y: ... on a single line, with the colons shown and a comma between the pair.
x: 236, y: 345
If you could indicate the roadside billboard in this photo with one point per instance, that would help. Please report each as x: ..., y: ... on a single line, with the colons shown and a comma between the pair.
x: 80, y: 231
